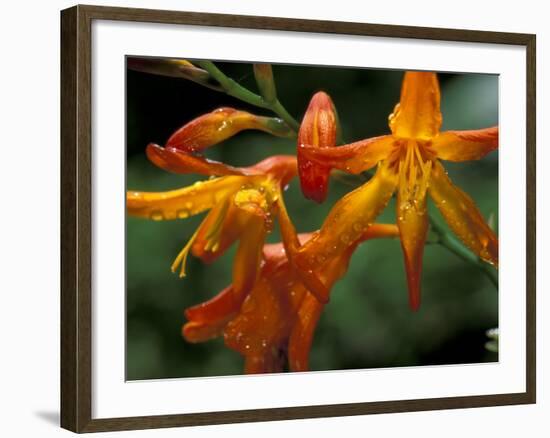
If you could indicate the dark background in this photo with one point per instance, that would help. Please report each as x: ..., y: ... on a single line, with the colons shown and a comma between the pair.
x: 367, y: 323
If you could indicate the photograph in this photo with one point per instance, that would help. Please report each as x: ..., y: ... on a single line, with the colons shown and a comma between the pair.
x: 308, y: 218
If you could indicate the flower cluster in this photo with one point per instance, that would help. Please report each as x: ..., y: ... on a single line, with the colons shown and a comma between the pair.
x: 277, y: 293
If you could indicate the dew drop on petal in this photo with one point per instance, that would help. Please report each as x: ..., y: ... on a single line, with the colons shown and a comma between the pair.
x: 157, y: 215
x: 182, y: 214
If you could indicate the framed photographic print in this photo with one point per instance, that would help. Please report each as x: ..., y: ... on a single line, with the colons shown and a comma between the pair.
x: 267, y: 218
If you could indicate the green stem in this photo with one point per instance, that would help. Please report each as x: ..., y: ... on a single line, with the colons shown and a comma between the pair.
x: 450, y: 242
x: 236, y: 90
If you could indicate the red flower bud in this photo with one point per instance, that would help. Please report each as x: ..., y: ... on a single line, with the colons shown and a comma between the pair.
x: 318, y: 129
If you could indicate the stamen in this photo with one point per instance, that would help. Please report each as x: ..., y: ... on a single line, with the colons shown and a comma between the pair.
x: 426, y: 172
x: 182, y: 256
x: 412, y: 166
x: 403, y: 189
x: 214, y: 234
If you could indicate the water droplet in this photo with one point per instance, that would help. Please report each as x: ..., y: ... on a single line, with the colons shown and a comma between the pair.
x: 357, y: 226
x: 182, y: 214
x: 321, y: 258
x: 345, y: 238
x: 157, y: 215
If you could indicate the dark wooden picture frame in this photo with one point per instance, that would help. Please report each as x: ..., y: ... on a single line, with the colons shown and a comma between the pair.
x: 76, y: 218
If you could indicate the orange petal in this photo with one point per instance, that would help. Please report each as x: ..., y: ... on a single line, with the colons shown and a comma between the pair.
x: 413, y: 227
x: 219, y: 307
x: 318, y: 130
x: 347, y: 221
x: 262, y: 327
x: 217, y: 232
x: 301, y: 337
x: 217, y: 126
x: 281, y: 167
x: 465, y: 145
x: 176, y: 161
x: 181, y: 203
x: 352, y: 158
x: 247, y: 261
x: 417, y: 116
x: 207, y: 320
x: 292, y: 244
x: 376, y: 231
x: 462, y: 216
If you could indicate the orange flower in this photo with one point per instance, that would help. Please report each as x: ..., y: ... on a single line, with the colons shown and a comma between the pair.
x: 242, y: 201
x: 241, y: 207
x: 318, y: 129
x: 408, y: 161
x: 277, y: 319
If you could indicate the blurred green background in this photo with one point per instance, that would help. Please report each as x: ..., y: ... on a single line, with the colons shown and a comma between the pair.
x: 367, y: 323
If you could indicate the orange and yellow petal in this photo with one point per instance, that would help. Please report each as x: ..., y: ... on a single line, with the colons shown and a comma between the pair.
x: 281, y: 168
x: 351, y: 158
x: 218, y: 231
x: 378, y: 231
x: 176, y: 161
x: 318, y: 131
x: 301, y: 337
x: 465, y: 145
x: 348, y: 220
x: 291, y: 242
x: 413, y: 227
x: 261, y: 329
x: 184, y: 202
x: 246, y: 264
x: 462, y: 216
x: 220, y: 124
x: 418, y: 115
x: 207, y: 320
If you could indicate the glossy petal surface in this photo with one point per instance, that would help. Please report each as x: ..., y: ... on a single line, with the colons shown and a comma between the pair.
x: 351, y: 158
x: 348, y: 220
x: 462, y: 216
x: 249, y: 255
x: 176, y: 161
x: 207, y: 320
x: 181, y: 203
x: 465, y: 145
x: 318, y: 131
x: 417, y: 116
x: 303, y: 332
x: 217, y: 126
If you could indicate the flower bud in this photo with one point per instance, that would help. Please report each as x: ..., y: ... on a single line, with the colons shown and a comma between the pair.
x: 175, y: 68
x: 318, y: 129
x: 217, y: 126
x: 265, y: 81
